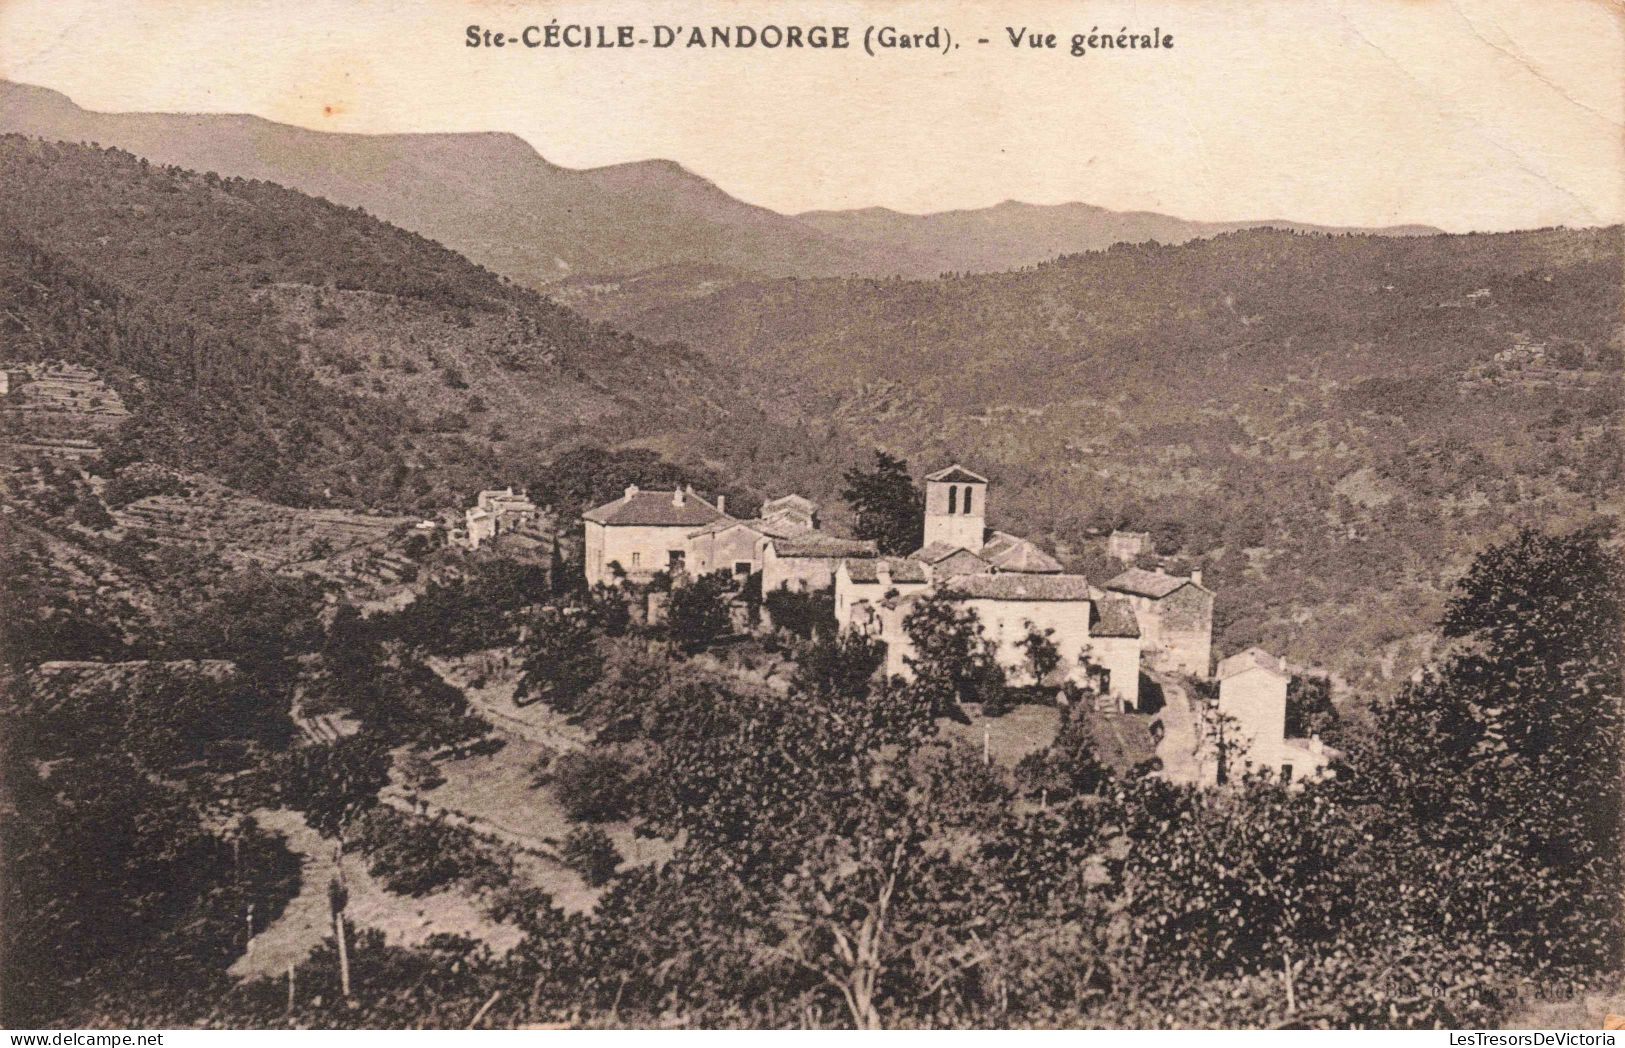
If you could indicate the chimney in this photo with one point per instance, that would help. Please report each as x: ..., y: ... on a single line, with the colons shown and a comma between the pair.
x: 883, y: 573
x: 677, y: 496
x: 1315, y: 745
x: 722, y: 505
x: 1196, y: 576
x: 631, y: 489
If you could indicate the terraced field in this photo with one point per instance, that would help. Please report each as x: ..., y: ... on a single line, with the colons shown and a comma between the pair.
x: 249, y: 531
x: 56, y: 409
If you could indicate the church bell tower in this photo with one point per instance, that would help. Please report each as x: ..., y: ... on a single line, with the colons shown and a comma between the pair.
x: 955, y: 508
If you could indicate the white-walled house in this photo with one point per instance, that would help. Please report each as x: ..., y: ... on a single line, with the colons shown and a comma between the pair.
x: 1252, y: 694
x: 862, y: 583
x: 644, y: 532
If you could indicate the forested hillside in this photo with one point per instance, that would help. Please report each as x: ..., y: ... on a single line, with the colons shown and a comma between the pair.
x: 310, y: 353
x: 1332, y: 424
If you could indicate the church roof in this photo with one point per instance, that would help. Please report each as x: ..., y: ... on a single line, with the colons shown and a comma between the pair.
x: 956, y: 474
x: 1113, y: 618
x: 817, y: 544
x: 902, y: 569
x: 1010, y: 553
x: 655, y: 509
x: 934, y: 552
x: 1013, y: 586
x: 1251, y: 659
x: 1153, y: 584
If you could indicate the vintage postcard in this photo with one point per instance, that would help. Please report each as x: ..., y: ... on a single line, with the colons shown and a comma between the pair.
x: 811, y: 515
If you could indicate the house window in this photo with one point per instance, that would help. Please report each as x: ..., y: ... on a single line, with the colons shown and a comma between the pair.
x: 1286, y: 773
x: 741, y: 567
x: 674, y: 561
x: 636, y: 558
x: 953, y: 499
x: 967, y: 500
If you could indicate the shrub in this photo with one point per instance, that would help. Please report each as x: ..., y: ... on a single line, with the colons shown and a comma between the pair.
x: 589, y: 851
x: 593, y: 787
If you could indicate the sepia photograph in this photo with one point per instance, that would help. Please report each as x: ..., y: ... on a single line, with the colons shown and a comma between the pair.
x: 815, y: 515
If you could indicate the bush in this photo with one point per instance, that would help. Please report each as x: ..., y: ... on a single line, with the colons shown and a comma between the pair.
x: 593, y: 787
x: 589, y: 851
x: 418, y: 857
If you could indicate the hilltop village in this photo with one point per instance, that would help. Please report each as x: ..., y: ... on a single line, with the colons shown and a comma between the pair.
x: 1107, y: 636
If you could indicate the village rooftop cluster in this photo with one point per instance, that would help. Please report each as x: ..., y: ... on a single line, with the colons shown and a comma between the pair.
x: 1108, y: 635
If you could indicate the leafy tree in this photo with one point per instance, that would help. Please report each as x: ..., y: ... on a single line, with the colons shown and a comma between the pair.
x: 838, y: 664
x: 1495, y: 780
x: 698, y: 612
x: 1309, y: 708
x: 1069, y: 765
x: 890, y: 508
x: 1222, y: 742
x: 953, y: 660
x: 558, y: 659
x: 334, y: 783
x: 1041, y: 653
x: 801, y: 613
x: 559, y: 577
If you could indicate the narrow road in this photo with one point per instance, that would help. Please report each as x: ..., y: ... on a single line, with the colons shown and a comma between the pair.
x: 1178, y: 748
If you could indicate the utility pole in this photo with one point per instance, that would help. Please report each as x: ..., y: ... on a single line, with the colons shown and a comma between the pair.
x: 338, y: 896
x: 290, y: 987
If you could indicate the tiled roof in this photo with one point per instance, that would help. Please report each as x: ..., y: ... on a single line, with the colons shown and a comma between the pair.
x: 817, y: 544
x: 1252, y: 658
x: 902, y: 569
x: 1113, y: 618
x: 1009, y: 553
x: 933, y: 552
x: 1020, y: 587
x: 654, y: 509
x: 722, y: 524
x: 1153, y: 584
x: 956, y: 474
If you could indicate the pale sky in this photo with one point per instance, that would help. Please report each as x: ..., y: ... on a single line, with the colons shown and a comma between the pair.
x: 1463, y: 114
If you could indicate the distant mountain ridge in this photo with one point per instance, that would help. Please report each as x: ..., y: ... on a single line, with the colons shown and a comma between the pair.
x: 491, y: 197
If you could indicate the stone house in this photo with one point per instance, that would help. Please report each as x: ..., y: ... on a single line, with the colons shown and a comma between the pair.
x: 496, y: 512
x: 808, y: 561
x: 644, y: 532
x: 737, y: 545
x: 1114, y: 645
x: 1175, y: 616
x: 1252, y: 693
x: 726, y: 544
x: 794, y: 512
